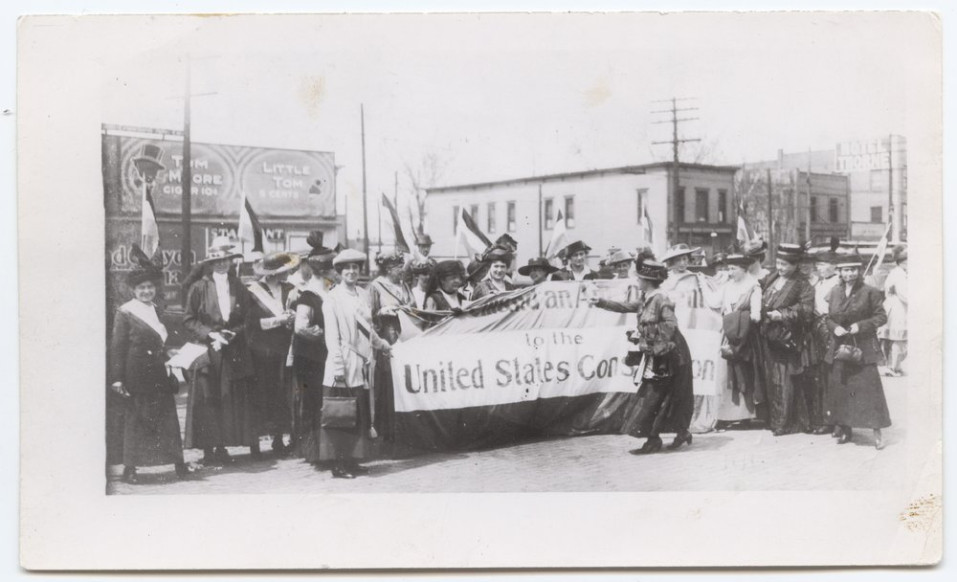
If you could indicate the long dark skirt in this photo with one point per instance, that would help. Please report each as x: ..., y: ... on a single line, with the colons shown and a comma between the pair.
x: 273, y: 394
x: 855, y: 397
x: 308, y: 406
x: 151, y: 433
x: 813, y: 383
x: 220, y: 409
x: 665, y: 406
x: 384, y: 399
x: 787, y: 406
x: 354, y: 443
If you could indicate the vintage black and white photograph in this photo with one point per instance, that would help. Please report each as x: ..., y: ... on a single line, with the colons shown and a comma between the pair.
x: 668, y: 258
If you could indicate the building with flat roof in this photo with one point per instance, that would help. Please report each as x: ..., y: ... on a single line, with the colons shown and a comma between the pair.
x: 603, y: 208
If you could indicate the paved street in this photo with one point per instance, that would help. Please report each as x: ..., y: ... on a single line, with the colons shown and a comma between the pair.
x: 728, y: 460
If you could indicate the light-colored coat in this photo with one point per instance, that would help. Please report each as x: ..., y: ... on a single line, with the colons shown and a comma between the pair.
x: 349, y: 349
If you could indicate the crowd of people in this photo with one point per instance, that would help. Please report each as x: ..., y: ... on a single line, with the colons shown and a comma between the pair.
x: 302, y: 348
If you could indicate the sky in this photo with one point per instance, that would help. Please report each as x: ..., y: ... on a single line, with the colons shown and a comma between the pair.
x: 500, y: 96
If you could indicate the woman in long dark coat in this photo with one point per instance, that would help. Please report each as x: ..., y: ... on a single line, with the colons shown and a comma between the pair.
x: 221, y: 408
x: 269, y: 334
x: 787, y: 307
x: 309, y: 348
x: 855, y: 397
x: 138, y: 374
x: 665, y: 393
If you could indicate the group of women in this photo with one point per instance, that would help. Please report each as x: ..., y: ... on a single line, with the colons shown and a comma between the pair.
x: 311, y: 359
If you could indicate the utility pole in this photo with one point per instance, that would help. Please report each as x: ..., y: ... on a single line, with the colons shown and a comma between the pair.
x: 186, y: 205
x: 772, y: 248
x: 365, y: 201
x: 540, y: 250
x: 676, y: 167
x: 807, y: 222
x: 895, y: 234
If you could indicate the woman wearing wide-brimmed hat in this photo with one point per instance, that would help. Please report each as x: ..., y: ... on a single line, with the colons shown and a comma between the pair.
x: 346, y: 424
x: 855, y: 396
x: 893, y: 336
x: 221, y: 410
x: 538, y: 269
x: 269, y: 323
x: 138, y: 374
x: 309, y: 346
x: 665, y: 393
x: 786, y: 311
x: 387, y: 293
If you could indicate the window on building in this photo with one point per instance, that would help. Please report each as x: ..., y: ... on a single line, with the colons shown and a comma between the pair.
x: 701, y: 204
x: 455, y: 219
x: 832, y: 214
x: 680, y: 205
x: 570, y: 211
x: 642, y: 201
x: 474, y: 213
x: 723, y: 206
x: 490, y: 220
x: 549, y: 210
x: 877, y: 214
x: 510, y: 216
x: 813, y: 209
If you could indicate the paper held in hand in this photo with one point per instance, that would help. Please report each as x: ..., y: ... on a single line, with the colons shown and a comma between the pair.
x: 186, y: 355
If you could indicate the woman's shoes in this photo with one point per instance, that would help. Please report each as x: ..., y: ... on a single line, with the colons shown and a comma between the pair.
x: 129, y: 475
x: 357, y: 469
x: 681, y: 438
x: 878, y: 439
x: 652, y: 445
x: 821, y: 430
x: 845, y: 437
x: 341, y: 472
x: 837, y: 431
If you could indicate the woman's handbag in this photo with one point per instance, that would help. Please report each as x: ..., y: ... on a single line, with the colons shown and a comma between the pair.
x: 779, y: 335
x: 339, y: 412
x: 849, y: 353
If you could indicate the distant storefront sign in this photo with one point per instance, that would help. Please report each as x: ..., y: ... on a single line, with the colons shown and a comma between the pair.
x: 866, y: 155
x: 279, y: 183
x: 867, y: 230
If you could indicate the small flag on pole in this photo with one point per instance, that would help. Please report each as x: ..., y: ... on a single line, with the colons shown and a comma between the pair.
x: 647, y: 228
x: 879, y: 253
x: 400, y: 242
x: 744, y: 235
x: 149, y: 239
x: 470, y: 236
x: 559, y: 236
x: 250, y: 229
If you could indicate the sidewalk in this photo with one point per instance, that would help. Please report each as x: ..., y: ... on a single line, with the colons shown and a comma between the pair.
x: 717, y: 461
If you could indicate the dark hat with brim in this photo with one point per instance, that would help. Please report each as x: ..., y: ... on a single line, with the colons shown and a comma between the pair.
x: 141, y: 275
x: 755, y: 248
x: 507, y: 240
x: 791, y: 253
x: 276, y: 264
x: 450, y: 267
x: 678, y: 250
x: 652, y: 271
x: 424, y: 240
x: 849, y: 262
x: 537, y: 263
x: 576, y: 247
x: 497, y: 254
x: 422, y: 267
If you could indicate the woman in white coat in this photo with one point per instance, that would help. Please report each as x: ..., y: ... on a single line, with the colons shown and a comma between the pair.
x: 346, y: 423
